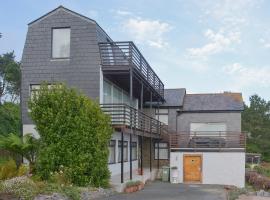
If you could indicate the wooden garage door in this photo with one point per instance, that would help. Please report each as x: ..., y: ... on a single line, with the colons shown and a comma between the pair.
x: 192, y: 168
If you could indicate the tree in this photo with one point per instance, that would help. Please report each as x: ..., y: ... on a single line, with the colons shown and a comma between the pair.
x: 9, y: 77
x: 256, y: 121
x: 10, y: 118
x: 74, y: 135
x: 26, y: 147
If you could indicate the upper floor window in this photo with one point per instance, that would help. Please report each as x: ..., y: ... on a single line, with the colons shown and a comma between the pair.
x: 60, y: 42
x: 162, y: 115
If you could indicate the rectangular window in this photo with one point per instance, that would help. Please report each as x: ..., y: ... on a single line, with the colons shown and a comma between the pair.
x: 60, y: 42
x: 208, y: 128
x: 162, y: 115
x: 125, y: 152
x: 34, y: 89
x: 112, y: 148
x: 134, y: 150
x: 163, y: 151
x: 107, y: 92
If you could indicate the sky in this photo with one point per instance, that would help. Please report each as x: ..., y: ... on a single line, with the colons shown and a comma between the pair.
x: 204, y: 46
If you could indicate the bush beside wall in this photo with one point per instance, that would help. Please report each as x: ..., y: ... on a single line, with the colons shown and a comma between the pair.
x: 74, y: 135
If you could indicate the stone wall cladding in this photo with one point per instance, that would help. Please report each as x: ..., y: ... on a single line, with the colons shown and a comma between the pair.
x: 81, y: 71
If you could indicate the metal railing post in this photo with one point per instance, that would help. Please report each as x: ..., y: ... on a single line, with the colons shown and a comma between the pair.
x: 219, y: 140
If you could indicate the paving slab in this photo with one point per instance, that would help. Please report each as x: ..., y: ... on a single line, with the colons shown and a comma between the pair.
x: 162, y: 190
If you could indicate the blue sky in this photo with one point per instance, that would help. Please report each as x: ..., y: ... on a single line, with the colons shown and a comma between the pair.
x: 204, y: 46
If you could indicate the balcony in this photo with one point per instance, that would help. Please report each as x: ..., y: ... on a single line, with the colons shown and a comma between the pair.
x: 122, y: 57
x: 124, y: 116
x: 208, y: 141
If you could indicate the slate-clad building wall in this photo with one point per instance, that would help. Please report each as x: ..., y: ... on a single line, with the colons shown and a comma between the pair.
x: 82, y: 70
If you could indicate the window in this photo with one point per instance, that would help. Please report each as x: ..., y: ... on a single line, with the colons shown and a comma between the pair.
x: 33, y: 90
x: 114, y: 94
x: 107, y: 92
x: 162, y: 115
x: 125, y: 153
x: 201, y: 128
x: 112, y: 148
x: 134, y: 150
x: 60, y: 42
x: 163, y: 151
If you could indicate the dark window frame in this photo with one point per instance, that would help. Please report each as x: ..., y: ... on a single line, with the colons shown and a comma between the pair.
x: 160, y: 148
x: 59, y: 58
x: 125, y: 146
x: 110, y: 145
x: 132, y: 146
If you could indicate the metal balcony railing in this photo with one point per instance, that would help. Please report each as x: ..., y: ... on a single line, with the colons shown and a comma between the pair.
x: 208, y: 140
x: 127, y: 54
x: 124, y: 115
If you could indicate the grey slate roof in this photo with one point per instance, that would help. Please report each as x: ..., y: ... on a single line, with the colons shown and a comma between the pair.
x: 213, y: 102
x: 174, y: 97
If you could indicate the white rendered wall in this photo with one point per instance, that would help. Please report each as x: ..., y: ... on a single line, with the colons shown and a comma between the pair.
x: 115, y: 169
x: 30, y: 128
x: 222, y: 168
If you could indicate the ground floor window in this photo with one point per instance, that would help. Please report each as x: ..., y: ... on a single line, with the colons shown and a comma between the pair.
x: 163, y: 151
x: 112, y: 148
x: 125, y: 152
x: 134, y: 150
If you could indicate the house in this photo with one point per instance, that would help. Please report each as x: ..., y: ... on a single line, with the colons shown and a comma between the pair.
x: 153, y: 126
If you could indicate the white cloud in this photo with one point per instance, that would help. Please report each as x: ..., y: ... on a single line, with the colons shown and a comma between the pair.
x: 248, y: 76
x: 218, y: 42
x: 265, y: 43
x: 123, y: 12
x: 151, y: 32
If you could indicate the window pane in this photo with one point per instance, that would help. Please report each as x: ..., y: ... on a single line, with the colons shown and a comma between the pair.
x: 112, y: 151
x: 162, y: 118
x: 206, y: 128
x: 107, y: 92
x: 125, y: 153
x: 117, y: 95
x: 163, y: 151
x: 61, y: 43
x: 162, y: 111
x: 134, y: 150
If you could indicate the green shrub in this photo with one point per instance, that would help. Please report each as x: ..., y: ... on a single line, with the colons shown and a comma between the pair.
x: 8, y: 169
x: 133, y: 183
x: 23, y: 170
x: 73, y: 132
x: 262, y: 170
x: 60, y: 177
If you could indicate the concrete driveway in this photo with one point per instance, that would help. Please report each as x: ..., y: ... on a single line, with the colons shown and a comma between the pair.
x: 160, y: 190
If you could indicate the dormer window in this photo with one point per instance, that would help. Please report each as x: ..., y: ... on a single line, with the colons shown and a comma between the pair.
x: 60, y: 42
